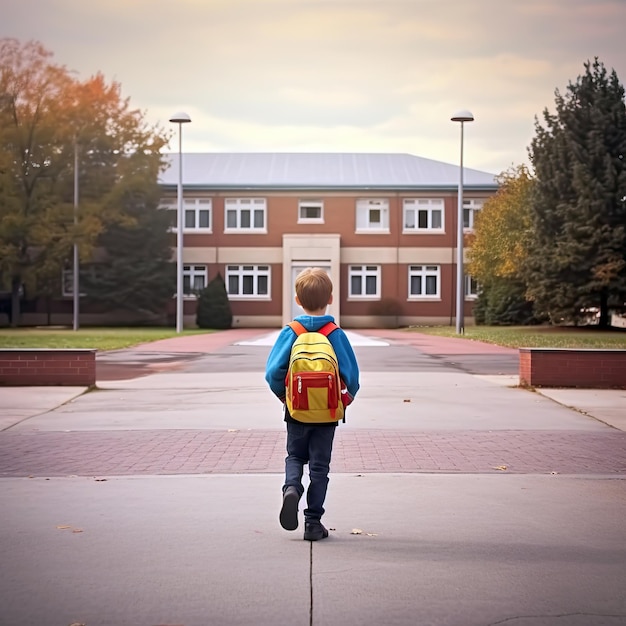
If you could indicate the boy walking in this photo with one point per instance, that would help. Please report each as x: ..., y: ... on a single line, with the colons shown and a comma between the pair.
x: 310, y: 442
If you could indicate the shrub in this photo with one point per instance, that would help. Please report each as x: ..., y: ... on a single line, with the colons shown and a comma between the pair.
x: 213, y: 306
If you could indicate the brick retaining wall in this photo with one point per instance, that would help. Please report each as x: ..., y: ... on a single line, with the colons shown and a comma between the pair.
x: 35, y: 367
x: 569, y: 367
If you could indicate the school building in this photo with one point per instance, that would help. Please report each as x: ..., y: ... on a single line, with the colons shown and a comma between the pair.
x: 383, y: 226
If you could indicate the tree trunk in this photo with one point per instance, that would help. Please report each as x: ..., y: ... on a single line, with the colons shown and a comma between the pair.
x: 15, y: 302
x: 603, y: 322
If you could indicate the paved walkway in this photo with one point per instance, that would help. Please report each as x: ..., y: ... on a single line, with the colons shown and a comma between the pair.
x: 456, y: 498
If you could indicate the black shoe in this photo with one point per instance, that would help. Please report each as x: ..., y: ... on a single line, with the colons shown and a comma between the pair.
x: 314, y: 531
x: 289, y: 512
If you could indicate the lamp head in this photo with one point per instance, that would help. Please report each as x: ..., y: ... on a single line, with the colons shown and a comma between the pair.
x: 462, y: 116
x: 180, y: 118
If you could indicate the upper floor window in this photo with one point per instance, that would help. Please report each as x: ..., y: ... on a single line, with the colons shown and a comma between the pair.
x: 251, y: 281
x: 197, y: 214
x: 470, y: 209
x: 245, y: 215
x: 424, y: 281
x: 311, y: 211
x: 364, y: 281
x: 423, y: 214
x: 372, y: 216
x: 195, y: 278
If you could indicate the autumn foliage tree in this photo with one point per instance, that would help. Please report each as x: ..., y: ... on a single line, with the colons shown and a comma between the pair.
x: 47, y: 117
x: 498, y: 251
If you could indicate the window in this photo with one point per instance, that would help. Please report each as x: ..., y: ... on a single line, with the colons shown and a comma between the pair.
x: 67, y: 284
x: 372, y: 215
x: 424, y: 281
x: 197, y: 214
x: 248, y: 281
x: 245, y: 215
x: 423, y: 215
x: 364, y: 281
x: 194, y: 279
x: 470, y: 209
x: 471, y: 287
x: 311, y: 211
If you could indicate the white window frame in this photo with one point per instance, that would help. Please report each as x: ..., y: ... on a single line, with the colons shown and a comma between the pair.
x: 425, y: 271
x: 364, y: 272
x: 471, y: 206
x: 471, y: 287
x: 67, y: 284
x: 310, y: 204
x: 195, y: 205
x: 192, y: 272
x: 427, y: 206
x: 240, y: 206
x: 243, y: 271
x: 365, y: 211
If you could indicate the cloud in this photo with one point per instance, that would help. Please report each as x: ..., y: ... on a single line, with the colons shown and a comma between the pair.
x: 337, y: 75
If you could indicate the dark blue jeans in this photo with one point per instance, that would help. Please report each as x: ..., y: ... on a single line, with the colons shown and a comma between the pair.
x: 312, y: 445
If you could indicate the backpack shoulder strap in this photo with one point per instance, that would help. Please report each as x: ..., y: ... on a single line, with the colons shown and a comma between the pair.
x: 297, y: 328
x: 328, y: 328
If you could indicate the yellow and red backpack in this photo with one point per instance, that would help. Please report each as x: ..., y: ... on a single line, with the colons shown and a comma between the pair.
x: 313, y: 385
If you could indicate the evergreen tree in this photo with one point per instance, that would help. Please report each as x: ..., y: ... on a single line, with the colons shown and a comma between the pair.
x: 214, y: 306
x: 502, y: 302
x: 134, y: 270
x: 578, y: 254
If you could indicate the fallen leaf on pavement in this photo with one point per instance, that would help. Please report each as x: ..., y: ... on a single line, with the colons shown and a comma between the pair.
x: 63, y: 527
x: 501, y: 467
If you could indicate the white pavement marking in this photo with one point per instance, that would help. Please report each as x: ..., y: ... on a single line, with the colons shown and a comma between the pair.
x: 354, y: 338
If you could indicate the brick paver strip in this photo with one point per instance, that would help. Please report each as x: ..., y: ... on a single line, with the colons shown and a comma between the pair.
x: 111, y: 453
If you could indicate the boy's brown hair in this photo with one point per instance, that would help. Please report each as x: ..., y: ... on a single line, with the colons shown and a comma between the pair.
x: 313, y: 288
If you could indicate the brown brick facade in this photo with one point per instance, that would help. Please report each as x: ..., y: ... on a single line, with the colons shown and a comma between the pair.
x: 591, y: 369
x: 32, y: 367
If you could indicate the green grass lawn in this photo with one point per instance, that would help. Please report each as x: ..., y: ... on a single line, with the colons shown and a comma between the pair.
x: 511, y: 336
x: 534, y: 336
x: 95, y: 338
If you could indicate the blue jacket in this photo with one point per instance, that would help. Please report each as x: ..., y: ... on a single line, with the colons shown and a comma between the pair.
x: 278, y: 359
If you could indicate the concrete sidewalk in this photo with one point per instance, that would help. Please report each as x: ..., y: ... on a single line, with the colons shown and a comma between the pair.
x: 465, y: 550
x: 19, y: 404
x: 455, y: 500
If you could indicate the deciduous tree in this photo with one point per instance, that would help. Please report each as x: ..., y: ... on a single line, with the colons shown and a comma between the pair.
x: 47, y: 117
x: 499, y: 249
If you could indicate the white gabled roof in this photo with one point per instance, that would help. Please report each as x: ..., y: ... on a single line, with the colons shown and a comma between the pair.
x: 301, y: 170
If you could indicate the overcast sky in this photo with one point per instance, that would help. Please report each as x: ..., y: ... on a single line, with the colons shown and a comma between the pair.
x: 335, y: 75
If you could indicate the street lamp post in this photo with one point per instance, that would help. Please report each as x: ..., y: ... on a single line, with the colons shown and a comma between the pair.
x: 76, y: 287
x: 179, y: 118
x: 461, y: 116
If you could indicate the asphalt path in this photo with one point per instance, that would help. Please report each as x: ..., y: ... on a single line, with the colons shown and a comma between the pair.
x: 120, y: 364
